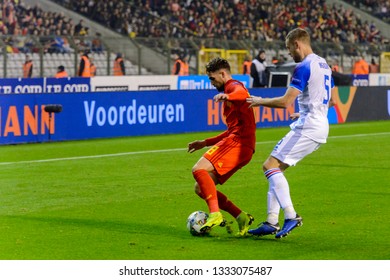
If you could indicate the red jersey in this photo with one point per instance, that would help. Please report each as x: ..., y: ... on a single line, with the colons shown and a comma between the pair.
x: 240, y: 119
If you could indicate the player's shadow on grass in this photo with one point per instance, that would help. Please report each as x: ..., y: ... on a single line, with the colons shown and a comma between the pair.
x: 107, y: 225
x: 219, y: 235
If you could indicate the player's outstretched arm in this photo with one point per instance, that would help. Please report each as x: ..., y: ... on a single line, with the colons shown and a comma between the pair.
x: 276, y: 102
x: 196, y: 145
x: 254, y: 101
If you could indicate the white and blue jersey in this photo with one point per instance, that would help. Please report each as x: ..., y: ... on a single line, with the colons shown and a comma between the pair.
x: 313, y: 78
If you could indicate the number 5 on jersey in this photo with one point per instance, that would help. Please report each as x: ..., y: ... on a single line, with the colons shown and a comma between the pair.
x: 327, y: 88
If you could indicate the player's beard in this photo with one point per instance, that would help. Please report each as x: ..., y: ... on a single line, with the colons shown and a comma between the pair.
x: 296, y: 57
x: 221, y: 88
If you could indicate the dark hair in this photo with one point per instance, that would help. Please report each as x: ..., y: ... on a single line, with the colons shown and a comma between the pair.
x: 61, y: 68
x: 217, y: 64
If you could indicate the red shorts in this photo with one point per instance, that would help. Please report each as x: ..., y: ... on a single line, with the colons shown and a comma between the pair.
x: 228, y: 156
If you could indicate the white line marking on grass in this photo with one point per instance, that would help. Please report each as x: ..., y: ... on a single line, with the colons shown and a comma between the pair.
x: 165, y: 151
x: 360, y: 135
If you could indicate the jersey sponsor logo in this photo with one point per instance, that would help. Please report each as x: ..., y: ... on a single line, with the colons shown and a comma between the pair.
x: 212, y: 150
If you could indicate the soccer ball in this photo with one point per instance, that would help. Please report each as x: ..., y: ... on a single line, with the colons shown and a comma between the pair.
x: 195, y: 221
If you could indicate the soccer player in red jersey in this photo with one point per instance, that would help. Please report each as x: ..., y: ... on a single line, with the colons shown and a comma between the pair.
x: 230, y: 151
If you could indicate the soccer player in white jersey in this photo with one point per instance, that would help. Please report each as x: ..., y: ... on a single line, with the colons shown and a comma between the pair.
x: 312, y: 84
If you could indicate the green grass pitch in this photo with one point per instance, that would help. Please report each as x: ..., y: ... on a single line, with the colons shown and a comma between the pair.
x: 129, y: 198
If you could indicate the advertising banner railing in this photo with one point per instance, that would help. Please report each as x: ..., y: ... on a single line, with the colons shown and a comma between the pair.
x: 360, y: 80
x: 114, y: 114
x: 109, y: 84
x: 44, y: 85
x: 141, y: 83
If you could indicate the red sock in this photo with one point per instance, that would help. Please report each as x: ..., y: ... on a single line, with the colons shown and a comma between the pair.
x: 207, y: 187
x: 228, y: 206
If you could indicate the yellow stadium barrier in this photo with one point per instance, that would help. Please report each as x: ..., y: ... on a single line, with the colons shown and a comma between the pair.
x: 235, y: 57
x: 385, y: 62
x: 205, y: 55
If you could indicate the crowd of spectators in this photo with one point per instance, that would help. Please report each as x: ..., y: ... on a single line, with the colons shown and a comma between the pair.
x: 266, y: 20
x: 53, y: 28
x: 378, y: 8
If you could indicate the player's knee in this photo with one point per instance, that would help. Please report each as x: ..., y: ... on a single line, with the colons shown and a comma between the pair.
x: 194, y: 169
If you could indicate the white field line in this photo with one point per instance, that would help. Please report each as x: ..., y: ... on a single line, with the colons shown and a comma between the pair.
x: 164, y: 151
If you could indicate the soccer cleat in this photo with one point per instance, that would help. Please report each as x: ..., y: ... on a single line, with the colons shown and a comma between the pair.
x: 289, y: 225
x: 214, y: 219
x: 265, y: 228
x: 229, y: 227
x: 244, y: 220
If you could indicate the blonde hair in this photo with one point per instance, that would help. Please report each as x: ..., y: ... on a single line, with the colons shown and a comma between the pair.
x: 298, y: 34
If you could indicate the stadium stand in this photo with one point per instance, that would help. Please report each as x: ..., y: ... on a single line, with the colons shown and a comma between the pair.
x: 258, y: 20
x: 183, y: 26
x: 30, y: 29
x: 378, y: 8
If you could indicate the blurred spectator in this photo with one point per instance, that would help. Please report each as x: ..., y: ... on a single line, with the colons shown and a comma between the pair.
x: 186, y: 66
x: 336, y: 66
x: 246, y: 66
x: 179, y: 67
x: 61, y: 72
x: 97, y: 45
x: 3, y: 28
x: 258, y: 70
x: 28, y: 67
x: 92, y: 66
x: 274, y: 60
x: 79, y: 28
x: 119, y: 66
x: 84, y: 66
x: 360, y: 67
x: 373, y: 67
x: 59, y: 44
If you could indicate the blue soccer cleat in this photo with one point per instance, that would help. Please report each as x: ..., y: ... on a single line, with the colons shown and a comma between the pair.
x: 265, y: 228
x: 289, y: 225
